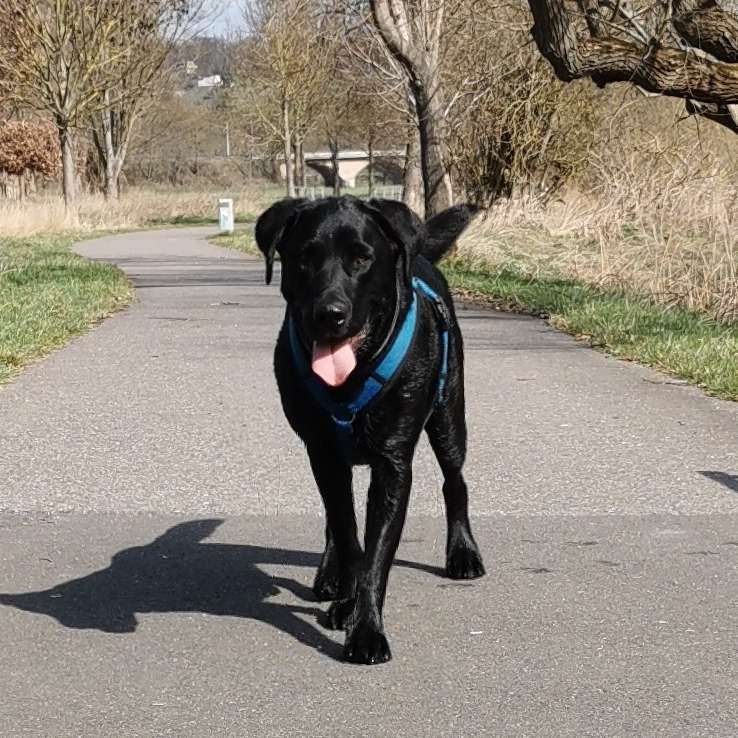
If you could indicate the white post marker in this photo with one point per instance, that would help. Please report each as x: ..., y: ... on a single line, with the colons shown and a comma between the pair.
x: 225, y: 215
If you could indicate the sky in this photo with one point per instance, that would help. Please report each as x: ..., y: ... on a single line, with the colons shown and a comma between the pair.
x: 227, y: 16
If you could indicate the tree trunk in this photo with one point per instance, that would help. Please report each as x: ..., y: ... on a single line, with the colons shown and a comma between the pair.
x: 299, y: 165
x: 287, y: 136
x: 412, y: 186
x: 418, y: 51
x: 110, y: 185
x: 370, y: 168
x: 436, y: 179
x: 111, y: 134
x: 69, y: 177
x: 274, y: 171
x: 333, y: 145
x: 296, y: 175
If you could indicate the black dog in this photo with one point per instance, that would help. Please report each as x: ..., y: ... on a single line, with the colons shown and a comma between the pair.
x: 369, y: 354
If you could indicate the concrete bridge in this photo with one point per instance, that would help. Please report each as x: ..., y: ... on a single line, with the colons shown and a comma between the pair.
x: 388, y: 166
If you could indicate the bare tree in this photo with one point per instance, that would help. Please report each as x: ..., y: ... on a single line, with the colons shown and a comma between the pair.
x: 412, y: 31
x: 57, y: 57
x: 338, y: 117
x: 683, y: 48
x: 511, y: 127
x: 281, y: 70
x: 342, y: 107
x: 388, y: 106
x: 146, y: 32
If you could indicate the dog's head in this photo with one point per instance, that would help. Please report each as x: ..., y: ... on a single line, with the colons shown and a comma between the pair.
x: 343, y: 262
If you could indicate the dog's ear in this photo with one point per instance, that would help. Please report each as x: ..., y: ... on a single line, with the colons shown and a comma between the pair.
x: 399, y: 224
x: 442, y: 230
x: 272, y: 226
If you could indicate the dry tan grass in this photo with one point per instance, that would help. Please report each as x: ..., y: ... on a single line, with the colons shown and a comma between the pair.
x: 136, y: 208
x: 654, y: 211
x: 662, y: 226
x: 669, y: 234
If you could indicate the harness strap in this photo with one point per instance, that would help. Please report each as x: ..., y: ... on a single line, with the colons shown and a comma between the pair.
x: 344, y: 414
x: 444, y: 320
x: 389, y: 366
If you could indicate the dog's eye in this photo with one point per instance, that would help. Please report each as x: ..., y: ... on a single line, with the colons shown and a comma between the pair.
x: 360, y: 261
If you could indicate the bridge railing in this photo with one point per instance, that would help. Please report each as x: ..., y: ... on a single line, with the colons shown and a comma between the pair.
x: 384, y: 192
x: 388, y: 192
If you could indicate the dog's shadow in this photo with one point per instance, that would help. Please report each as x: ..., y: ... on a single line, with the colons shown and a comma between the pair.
x: 177, y: 572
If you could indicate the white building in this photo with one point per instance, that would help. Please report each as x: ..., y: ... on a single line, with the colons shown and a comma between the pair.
x: 214, y: 81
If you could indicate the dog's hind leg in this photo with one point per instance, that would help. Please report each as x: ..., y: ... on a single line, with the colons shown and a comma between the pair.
x: 446, y: 430
x: 336, y: 576
x: 325, y: 585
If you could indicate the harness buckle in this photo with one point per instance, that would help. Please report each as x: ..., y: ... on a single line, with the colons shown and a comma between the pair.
x: 346, y: 422
x: 442, y: 312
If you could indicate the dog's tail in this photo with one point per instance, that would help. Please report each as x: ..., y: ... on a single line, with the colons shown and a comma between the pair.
x: 442, y: 230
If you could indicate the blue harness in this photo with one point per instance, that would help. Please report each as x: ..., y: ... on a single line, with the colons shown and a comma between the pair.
x: 386, y: 366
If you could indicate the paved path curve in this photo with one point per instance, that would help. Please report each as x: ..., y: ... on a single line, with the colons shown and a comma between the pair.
x: 159, y: 529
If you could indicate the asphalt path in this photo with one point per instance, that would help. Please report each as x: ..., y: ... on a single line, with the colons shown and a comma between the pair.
x: 159, y: 530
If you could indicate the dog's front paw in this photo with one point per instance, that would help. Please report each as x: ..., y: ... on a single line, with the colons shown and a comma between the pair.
x: 325, y: 586
x: 464, y: 562
x: 366, y: 644
x: 339, y: 613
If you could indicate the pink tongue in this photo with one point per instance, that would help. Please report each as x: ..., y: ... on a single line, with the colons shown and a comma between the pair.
x: 333, y: 364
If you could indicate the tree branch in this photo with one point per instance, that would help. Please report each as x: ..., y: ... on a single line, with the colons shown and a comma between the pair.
x: 703, y: 24
x: 655, y: 68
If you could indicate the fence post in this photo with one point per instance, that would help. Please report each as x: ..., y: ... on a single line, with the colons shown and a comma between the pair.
x: 225, y: 215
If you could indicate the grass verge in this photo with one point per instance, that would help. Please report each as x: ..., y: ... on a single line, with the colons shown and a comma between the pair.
x: 242, y: 239
x: 196, y: 220
x: 675, y: 340
x: 137, y: 208
x: 48, y: 295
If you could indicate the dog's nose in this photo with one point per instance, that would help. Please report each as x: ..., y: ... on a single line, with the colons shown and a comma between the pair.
x: 332, y: 316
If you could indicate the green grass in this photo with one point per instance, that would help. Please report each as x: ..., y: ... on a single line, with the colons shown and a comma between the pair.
x: 242, y: 239
x: 198, y: 220
x: 677, y: 341
x: 48, y: 295
x: 680, y: 342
